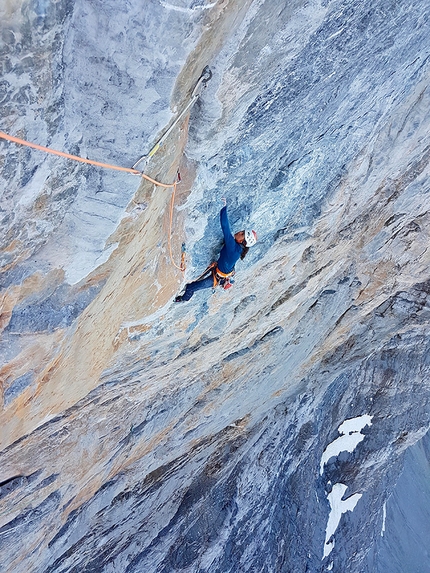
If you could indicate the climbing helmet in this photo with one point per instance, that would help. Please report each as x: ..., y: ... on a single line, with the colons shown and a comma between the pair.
x: 250, y: 237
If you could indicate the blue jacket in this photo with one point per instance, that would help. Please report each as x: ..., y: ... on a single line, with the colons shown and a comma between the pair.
x: 231, y: 251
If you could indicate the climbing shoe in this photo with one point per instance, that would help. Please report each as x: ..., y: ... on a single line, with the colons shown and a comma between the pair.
x: 178, y: 299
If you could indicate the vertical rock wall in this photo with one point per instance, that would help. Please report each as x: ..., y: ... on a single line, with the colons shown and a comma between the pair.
x: 138, y: 435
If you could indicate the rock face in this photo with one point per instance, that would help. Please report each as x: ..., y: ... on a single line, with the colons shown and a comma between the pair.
x: 404, y: 545
x: 263, y: 428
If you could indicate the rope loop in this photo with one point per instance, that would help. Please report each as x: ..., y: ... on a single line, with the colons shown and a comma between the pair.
x: 133, y: 171
x: 169, y: 238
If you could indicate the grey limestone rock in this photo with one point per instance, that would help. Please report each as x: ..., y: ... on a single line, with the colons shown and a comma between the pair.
x: 281, y: 425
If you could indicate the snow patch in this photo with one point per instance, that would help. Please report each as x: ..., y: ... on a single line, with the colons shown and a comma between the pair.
x: 350, y: 437
x: 384, y: 517
x: 337, y: 508
x: 186, y: 10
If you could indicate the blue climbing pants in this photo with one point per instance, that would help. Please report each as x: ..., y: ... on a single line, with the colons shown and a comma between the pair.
x: 191, y: 288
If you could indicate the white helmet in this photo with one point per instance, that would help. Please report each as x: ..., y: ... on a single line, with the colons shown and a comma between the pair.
x: 250, y: 238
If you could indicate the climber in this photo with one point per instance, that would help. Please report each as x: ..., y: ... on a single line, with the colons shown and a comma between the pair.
x: 220, y: 273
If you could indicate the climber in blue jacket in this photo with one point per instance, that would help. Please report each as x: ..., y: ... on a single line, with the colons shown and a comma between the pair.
x: 220, y: 273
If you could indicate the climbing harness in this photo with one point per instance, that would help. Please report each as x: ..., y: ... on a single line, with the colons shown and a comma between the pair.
x: 219, y: 278
x: 201, y: 82
x: 222, y: 279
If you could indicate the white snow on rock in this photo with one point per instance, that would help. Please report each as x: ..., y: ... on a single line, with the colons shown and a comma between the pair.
x: 350, y: 437
x: 338, y: 506
x: 384, y: 518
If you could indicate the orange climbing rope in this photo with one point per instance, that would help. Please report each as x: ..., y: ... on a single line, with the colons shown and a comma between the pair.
x: 172, y: 201
x: 81, y: 159
x: 107, y: 166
